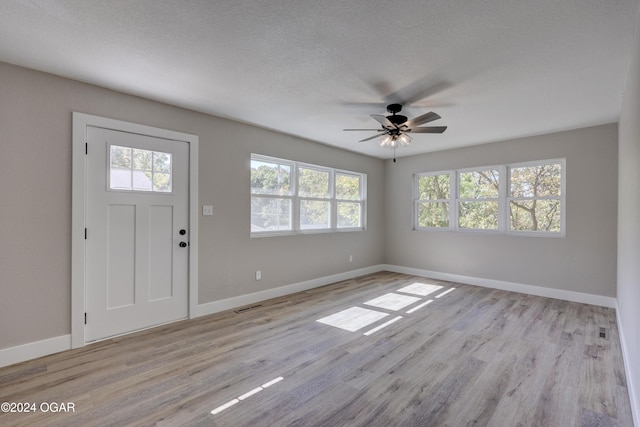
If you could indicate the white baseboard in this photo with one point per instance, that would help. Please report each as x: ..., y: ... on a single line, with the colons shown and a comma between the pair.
x: 239, y: 301
x: 32, y: 350
x: 509, y: 286
x: 633, y: 396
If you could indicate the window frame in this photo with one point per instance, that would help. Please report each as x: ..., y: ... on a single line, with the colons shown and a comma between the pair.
x: 504, y: 199
x: 290, y: 196
x: 296, y: 199
x: 561, y: 198
x: 417, y: 201
x: 497, y: 199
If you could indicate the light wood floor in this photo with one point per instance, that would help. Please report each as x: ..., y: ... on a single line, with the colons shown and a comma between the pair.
x: 474, y: 356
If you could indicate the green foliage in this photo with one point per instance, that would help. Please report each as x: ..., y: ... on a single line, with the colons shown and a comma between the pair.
x: 536, y: 181
x: 270, y: 178
x: 349, y: 215
x: 120, y: 157
x: 480, y: 184
x: 527, y: 212
x: 478, y: 215
x: 434, y: 187
x: 313, y: 183
x: 433, y: 214
x: 314, y: 214
x: 535, y: 215
x: 270, y: 213
x: 347, y: 187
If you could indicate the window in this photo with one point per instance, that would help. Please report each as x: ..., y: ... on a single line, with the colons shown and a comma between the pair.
x: 133, y: 169
x: 433, y: 200
x: 291, y: 197
x: 314, y: 198
x: 271, y: 196
x: 349, y: 200
x: 535, y: 197
x: 478, y: 192
x: 523, y: 198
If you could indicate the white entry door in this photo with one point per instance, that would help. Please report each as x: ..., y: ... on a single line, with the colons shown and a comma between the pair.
x: 137, y: 232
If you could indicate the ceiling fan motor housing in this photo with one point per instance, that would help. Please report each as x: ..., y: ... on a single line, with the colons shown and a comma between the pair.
x: 396, y: 119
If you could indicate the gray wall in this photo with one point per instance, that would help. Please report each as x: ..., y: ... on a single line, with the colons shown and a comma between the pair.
x: 583, y: 261
x: 35, y: 202
x: 629, y: 224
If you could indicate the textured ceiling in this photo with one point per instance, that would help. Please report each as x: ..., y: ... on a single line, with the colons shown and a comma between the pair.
x: 492, y: 69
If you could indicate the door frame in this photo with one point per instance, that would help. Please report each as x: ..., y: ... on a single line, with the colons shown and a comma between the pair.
x: 78, y: 261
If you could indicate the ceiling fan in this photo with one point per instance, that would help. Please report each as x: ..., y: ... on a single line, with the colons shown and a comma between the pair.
x: 396, y: 127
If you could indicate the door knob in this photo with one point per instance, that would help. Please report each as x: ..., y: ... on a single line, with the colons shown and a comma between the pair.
x: 183, y: 244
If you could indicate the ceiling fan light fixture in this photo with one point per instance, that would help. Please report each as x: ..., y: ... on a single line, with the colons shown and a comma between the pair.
x: 395, y: 141
x: 404, y: 139
x: 387, y: 142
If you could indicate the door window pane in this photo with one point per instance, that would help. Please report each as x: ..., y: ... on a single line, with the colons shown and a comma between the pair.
x: 133, y: 169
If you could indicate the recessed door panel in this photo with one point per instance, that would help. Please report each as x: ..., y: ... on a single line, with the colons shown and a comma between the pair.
x: 160, y: 252
x: 121, y: 242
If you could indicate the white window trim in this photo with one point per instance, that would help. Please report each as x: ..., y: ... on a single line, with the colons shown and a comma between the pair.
x: 503, y: 199
x: 295, y: 208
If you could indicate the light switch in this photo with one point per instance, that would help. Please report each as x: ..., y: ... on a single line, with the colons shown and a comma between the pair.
x: 207, y: 210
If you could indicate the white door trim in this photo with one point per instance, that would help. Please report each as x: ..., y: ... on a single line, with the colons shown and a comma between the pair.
x: 80, y: 123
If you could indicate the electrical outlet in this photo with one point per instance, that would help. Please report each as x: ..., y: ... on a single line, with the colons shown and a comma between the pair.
x: 258, y: 274
x: 350, y: 258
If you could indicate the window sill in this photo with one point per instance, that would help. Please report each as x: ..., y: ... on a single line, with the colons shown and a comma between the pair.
x: 304, y: 232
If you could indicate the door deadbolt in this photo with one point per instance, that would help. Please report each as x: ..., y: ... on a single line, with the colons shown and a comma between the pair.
x: 182, y: 232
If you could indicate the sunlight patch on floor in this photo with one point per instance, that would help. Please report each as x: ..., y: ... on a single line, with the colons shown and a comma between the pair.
x: 392, y: 301
x: 418, y: 307
x: 356, y: 318
x: 445, y: 292
x: 422, y: 289
x: 246, y: 395
x: 353, y: 318
x: 384, y: 325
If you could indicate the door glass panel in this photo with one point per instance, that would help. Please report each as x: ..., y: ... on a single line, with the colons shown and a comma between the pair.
x: 133, y: 169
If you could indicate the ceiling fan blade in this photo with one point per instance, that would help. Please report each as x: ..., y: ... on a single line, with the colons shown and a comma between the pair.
x: 364, y: 130
x: 431, y: 129
x: 425, y: 118
x: 383, y: 120
x: 372, y: 137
